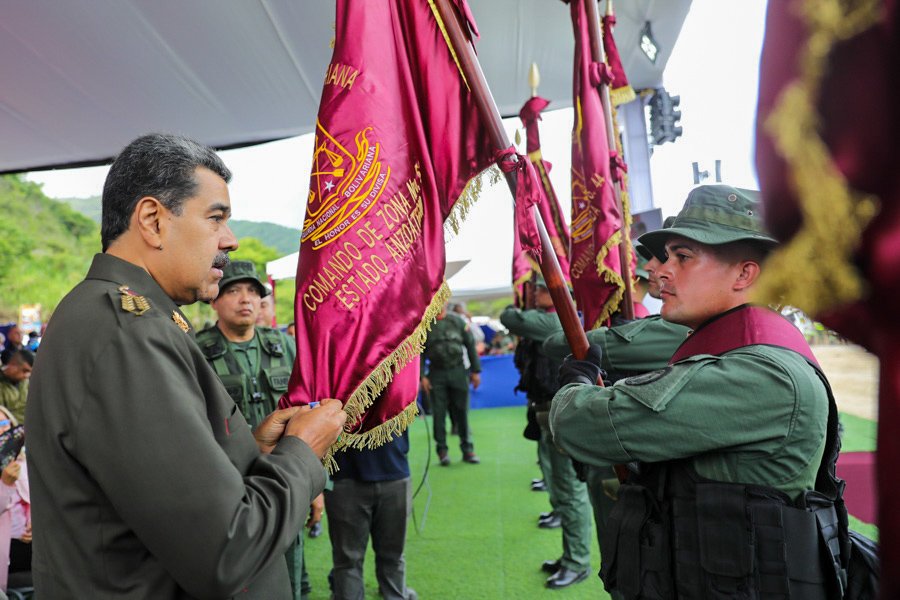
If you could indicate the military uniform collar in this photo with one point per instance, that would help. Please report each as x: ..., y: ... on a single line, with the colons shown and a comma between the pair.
x: 106, y: 267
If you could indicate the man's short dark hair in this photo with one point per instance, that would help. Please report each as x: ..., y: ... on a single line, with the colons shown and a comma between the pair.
x: 157, y: 165
x: 735, y: 252
x: 22, y: 356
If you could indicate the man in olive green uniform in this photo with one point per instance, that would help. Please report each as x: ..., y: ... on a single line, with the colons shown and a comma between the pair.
x: 446, y: 379
x: 146, y: 481
x: 729, y: 437
x: 568, y: 495
x: 14, y: 382
x: 627, y: 350
x: 254, y: 363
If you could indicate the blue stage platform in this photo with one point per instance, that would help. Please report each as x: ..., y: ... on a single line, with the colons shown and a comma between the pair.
x: 498, y: 378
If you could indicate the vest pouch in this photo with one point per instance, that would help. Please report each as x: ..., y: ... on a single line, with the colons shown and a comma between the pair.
x: 236, y: 386
x: 636, y: 547
x: 277, y: 379
x: 724, y: 541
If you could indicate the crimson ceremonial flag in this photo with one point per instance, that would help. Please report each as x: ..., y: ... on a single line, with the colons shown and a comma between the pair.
x: 595, y: 267
x: 524, y: 264
x: 620, y: 91
x: 826, y: 153
x: 398, y: 139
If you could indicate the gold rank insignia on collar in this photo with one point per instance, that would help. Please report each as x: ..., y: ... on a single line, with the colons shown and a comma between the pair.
x: 179, y: 320
x: 133, y: 302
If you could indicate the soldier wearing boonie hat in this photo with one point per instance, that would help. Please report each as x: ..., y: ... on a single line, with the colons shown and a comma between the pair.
x: 732, y: 439
x: 254, y: 363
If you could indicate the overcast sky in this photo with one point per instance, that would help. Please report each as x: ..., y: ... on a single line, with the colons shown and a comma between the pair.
x: 714, y: 68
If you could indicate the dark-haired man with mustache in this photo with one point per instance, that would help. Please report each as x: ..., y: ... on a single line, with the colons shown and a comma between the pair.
x: 732, y: 444
x: 146, y: 480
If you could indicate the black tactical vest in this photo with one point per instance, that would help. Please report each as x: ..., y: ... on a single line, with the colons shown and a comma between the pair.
x: 537, y: 377
x: 256, y: 394
x: 675, y: 535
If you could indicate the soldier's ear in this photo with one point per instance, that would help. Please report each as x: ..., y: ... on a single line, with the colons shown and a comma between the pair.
x: 747, y: 275
x: 147, y: 218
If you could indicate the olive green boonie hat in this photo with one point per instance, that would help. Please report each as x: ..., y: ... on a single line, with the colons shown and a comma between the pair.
x: 714, y: 215
x: 242, y: 270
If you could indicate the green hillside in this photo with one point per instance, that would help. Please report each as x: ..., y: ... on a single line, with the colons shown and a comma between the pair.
x: 45, y: 247
x: 89, y: 207
x: 283, y: 239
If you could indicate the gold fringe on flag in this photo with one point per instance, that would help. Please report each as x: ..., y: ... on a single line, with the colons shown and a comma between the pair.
x: 365, y: 394
x: 622, y: 95
x: 468, y: 198
x: 609, y: 276
x: 834, y: 215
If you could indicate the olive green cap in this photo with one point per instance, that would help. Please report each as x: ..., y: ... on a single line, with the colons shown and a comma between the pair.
x: 640, y: 269
x: 714, y: 215
x: 242, y: 270
x: 643, y: 253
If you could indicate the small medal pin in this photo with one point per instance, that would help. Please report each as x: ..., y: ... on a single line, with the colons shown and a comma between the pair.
x: 133, y: 302
x: 179, y: 320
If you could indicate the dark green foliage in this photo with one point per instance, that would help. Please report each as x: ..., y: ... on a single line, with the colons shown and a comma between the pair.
x: 45, y: 247
x: 284, y: 240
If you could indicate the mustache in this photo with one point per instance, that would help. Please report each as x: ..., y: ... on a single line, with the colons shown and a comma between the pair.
x: 221, y: 261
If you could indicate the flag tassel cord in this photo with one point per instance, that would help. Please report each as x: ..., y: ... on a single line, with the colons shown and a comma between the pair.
x: 834, y: 215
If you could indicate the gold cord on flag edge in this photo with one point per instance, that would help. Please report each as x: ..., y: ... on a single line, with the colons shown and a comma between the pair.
x: 834, y: 215
x: 440, y: 24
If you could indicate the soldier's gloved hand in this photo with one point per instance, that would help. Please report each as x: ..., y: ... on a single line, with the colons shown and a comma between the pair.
x: 581, y: 371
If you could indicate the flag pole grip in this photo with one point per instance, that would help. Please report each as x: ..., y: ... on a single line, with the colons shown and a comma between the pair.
x: 484, y: 100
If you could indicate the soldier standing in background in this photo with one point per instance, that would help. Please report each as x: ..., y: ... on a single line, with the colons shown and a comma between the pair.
x: 568, y: 495
x: 254, y: 363
x: 446, y: 380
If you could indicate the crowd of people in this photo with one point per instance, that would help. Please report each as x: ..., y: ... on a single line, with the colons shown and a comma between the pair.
x: 162, y: 454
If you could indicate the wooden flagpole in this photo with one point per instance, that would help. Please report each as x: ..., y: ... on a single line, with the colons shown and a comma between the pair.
x: 487, y: 108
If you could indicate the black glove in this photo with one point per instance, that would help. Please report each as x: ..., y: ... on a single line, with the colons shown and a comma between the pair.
x: 581, y: 371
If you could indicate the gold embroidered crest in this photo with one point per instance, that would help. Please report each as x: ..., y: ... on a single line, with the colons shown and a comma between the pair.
x: 179, y: 320
x: 133, y: 302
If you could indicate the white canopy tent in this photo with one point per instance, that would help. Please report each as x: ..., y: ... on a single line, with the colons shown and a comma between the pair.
x: 81, y: 78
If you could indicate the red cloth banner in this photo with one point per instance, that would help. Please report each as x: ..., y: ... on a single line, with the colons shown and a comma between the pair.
x: 524, y: 264
x: 596, y: 220
x: 827, y: 137
x: 398, y: 140
x: 620, y: 91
